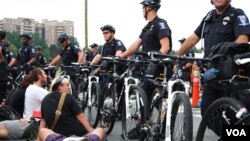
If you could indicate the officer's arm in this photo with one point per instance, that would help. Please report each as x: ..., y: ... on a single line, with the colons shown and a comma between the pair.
x: 80, y: 57
x: 1, y: 56
x: 12, y: 62
x: 242, y: 39
x: 133, y: 48
x: 165, y: 45
x: 32, y: 60
x: 96, y: 59
x: 188, y: 44
x: 55, y: 60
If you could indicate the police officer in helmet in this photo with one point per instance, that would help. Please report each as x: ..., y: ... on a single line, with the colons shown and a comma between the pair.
x: 222, y: 24
x: 3, y: 67
x: 155, y: 37
x: 26, y: 54
x: 70, y: 52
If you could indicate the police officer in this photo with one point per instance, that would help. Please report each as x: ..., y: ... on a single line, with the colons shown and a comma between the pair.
x: 3, y: 67
x: 93, y: 51
x: 155, y: 36
x: 40, y: 59
x: 10, y: 56
x: 70, y: 53
x: 26, y: 54
x: 112, y: 47
x: 223, y: 24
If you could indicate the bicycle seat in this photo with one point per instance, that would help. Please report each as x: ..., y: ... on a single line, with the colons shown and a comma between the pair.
x: 241, y: 59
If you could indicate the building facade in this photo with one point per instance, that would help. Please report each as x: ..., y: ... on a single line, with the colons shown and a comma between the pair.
x: 49, y: 30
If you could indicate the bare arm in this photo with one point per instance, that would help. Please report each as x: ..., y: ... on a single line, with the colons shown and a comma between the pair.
x: 80, y: 57
x: 55, y: 60
x: 96, y: 59
x: 165, y: 45
x: 188, y: 44
x: 133, y: 48
x: 32, y: 60
x: 242, y: 39
x: 12, y: 62
x: 42, y: 124
x: 1, y: 56
x: 82, y: 118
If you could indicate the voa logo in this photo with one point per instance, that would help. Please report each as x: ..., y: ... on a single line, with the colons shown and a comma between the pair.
x: 236, y: 132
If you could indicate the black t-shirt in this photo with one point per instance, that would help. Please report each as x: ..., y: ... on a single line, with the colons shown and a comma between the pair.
x: 153, y: 32
x: 25, y: 53
x: 222, y: 28
x: 67, y: 124
x: 69, y: 54
x: 3, y: 65
x: 16, y: 100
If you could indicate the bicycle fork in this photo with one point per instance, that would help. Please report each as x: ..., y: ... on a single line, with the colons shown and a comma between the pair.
x: 170, y: 101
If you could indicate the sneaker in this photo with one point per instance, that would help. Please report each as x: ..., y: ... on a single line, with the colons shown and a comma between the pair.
x: 133, y: 134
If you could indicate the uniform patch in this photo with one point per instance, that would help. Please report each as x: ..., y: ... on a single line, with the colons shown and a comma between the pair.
x: 243, y: 20
x: 226, y: 20
x: 162, y: 25
x: 33, y: 50
x: 119, y: 43
x: 76, y: 47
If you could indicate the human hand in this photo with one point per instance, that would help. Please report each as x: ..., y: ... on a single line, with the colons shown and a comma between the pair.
x: 23, y: 121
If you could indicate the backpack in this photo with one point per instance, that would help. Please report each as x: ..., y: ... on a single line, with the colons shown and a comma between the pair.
x: 223, y: 56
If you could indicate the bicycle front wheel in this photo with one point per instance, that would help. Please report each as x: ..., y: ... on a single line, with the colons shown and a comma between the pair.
x: 181, y: 118
x: 220, y: 112
x: 107, y: 108
x: 138, y: 108
x: 92, y: 108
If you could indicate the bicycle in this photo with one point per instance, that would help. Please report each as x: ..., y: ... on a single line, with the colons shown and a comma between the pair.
x: 170, y: 114
x: 227, y: 110
x: 131, y: 102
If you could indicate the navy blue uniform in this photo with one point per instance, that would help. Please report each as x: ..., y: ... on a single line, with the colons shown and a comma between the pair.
x: 218, y: 29
x: 153, y: 32
x: 109, y: 49
x: 90, y: 56
x: 8, y: 56
x: 151, y: 35
x: 40, y: 60
x: 3, y: 75
x: 25, y: 53
x: 223, y: 28
x: 69, y: 54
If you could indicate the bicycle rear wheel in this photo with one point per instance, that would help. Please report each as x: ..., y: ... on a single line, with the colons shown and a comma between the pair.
x: 181, y: 118
x: 107, y: 108
x: 92, y: 109
x: 221, y: 111
x: 138, y: 108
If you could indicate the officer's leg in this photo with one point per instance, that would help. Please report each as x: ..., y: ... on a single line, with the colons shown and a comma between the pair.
x: 3, y: 90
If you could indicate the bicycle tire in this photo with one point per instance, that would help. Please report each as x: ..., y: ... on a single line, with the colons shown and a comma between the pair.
x: 226, y: 106
x: 181, y: 124
x: 81, y: 95
x: 138, y: 114
x: 92, y: 110
x: 106, y: 108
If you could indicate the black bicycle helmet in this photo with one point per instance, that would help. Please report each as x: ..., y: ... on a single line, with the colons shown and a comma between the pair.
x: 26, y: 35
x: 62, y: 37
x: 108, y: 27
x: 155, y: 4
x: 38, y: 48
x: 94, y: 45
x: 213, y: 3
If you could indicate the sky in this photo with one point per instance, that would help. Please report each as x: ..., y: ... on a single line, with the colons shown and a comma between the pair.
x: 182, y: 16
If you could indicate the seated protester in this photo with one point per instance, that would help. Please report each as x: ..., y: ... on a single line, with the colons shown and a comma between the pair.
x: 15, y: 129
x: 72, y: 121
x: 16, y: 98
x: 48, y: 135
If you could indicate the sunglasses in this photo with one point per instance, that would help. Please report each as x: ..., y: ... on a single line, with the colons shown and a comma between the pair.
x: 105, y: 32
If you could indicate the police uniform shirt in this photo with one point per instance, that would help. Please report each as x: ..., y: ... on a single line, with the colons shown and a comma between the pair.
x: 40, y: 59
x: 8, y: 56
x: 109, y: 49
x: 90, y: 56
x: 25, y: 53
x: 3, y: 65
x: 223, y: 28
x: 69, y: 54
x: 153, y: 32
